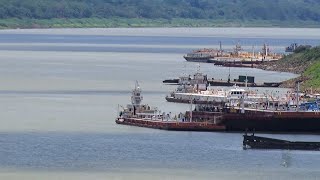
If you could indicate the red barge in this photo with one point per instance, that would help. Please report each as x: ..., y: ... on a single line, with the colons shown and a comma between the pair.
x: 267, y: 121
x: 171, y: 125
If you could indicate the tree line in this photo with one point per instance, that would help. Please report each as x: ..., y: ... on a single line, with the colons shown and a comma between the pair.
x: 280, y: 10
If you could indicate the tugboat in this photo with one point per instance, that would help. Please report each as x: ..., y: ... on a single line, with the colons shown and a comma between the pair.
x: 137, y: 114
x: 136, y: 108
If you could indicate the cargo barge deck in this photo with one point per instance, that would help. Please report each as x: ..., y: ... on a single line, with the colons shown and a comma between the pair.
x: 171, y: 125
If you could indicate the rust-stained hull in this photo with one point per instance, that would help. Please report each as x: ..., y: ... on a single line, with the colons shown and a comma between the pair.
x: 269, y: 121
x: 186, y: 101
x: 171, y: 125
x: 198, y: 59
x: 257, y: 142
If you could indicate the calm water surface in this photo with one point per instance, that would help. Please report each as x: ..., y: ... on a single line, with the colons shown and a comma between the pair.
x: 59, y: 94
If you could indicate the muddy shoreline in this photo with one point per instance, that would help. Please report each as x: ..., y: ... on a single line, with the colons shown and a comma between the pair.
x: 285, y: 67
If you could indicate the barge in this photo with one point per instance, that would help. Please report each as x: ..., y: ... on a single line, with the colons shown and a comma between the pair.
x: 199, y: 78
x: 172, y: 125
x: 258, y: 142
x: 267, y: 121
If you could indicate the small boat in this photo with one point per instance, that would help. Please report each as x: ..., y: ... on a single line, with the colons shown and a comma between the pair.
x: 258, y: 142
x: 291, y: 48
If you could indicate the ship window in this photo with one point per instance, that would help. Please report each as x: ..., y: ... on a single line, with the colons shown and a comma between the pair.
x: 138, y: 94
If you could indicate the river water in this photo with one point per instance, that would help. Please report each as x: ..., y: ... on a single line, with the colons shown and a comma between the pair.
x: 60, y: 89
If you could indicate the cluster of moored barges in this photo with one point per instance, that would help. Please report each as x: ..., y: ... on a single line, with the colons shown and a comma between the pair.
x: 233, y: 109
x: 235, y: 58
x: 234, y: 114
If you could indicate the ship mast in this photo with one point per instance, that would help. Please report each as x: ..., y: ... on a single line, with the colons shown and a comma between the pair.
x: 246, y: 81
x: 191, y: 108
x: 253, y: 52
x: 229, y: 75
x: 298, y: 89
x: 220, y: 48
x: 136, y: 97
x: 237, y: 49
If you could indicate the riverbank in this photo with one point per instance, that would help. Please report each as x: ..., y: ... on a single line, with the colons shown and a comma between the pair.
x: 14, y: 23
x: 305, y: 62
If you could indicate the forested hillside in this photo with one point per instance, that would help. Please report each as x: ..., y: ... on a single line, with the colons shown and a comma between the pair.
x: 304, y: 61
x: 197, y: 9
x: 222, y: 10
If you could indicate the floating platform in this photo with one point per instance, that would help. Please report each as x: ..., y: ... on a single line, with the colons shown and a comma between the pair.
x: 257, y: 142
x: 212, y: 82
x: 187, y: 101
x: 215, y: 82
x: 240, y: 63
x: 242, y: 84
x: 171, y: 125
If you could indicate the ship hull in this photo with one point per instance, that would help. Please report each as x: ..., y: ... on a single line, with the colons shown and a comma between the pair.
x: 257, y: 142
x: 238, y: 63
x: 171, y: 125
x: 269, y: 121
x: 187, y: 101
x: 198, y: 59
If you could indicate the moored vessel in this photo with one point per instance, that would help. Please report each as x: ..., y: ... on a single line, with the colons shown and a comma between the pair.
x: 235, y: 58
x: 284, y: 115
x: 291, y: 48
x: 137, y: 114
x: 201, y: 55
x: 258, y: 142
x: 240, y: 58
x: 214, y: 95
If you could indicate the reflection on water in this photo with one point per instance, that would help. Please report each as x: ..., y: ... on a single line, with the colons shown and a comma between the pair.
x: 104, y: 151
x: 286, y: 159
x: 153, y: 152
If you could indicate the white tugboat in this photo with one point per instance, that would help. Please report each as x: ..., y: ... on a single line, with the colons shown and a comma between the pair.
x: 136, y: 109
x: 137, y: 114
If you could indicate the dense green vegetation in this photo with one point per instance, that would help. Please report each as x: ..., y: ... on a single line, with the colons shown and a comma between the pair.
x: 30, y: 13
x: 313, y: 71
x: 142, y: 22
x: 305, y: 61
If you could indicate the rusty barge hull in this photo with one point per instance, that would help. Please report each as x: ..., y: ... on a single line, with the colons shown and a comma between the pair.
x: 186, y: 101
x: 171, y: 125
x: 268, y: 121
x: 242, y: 84
x: 257, y: 142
